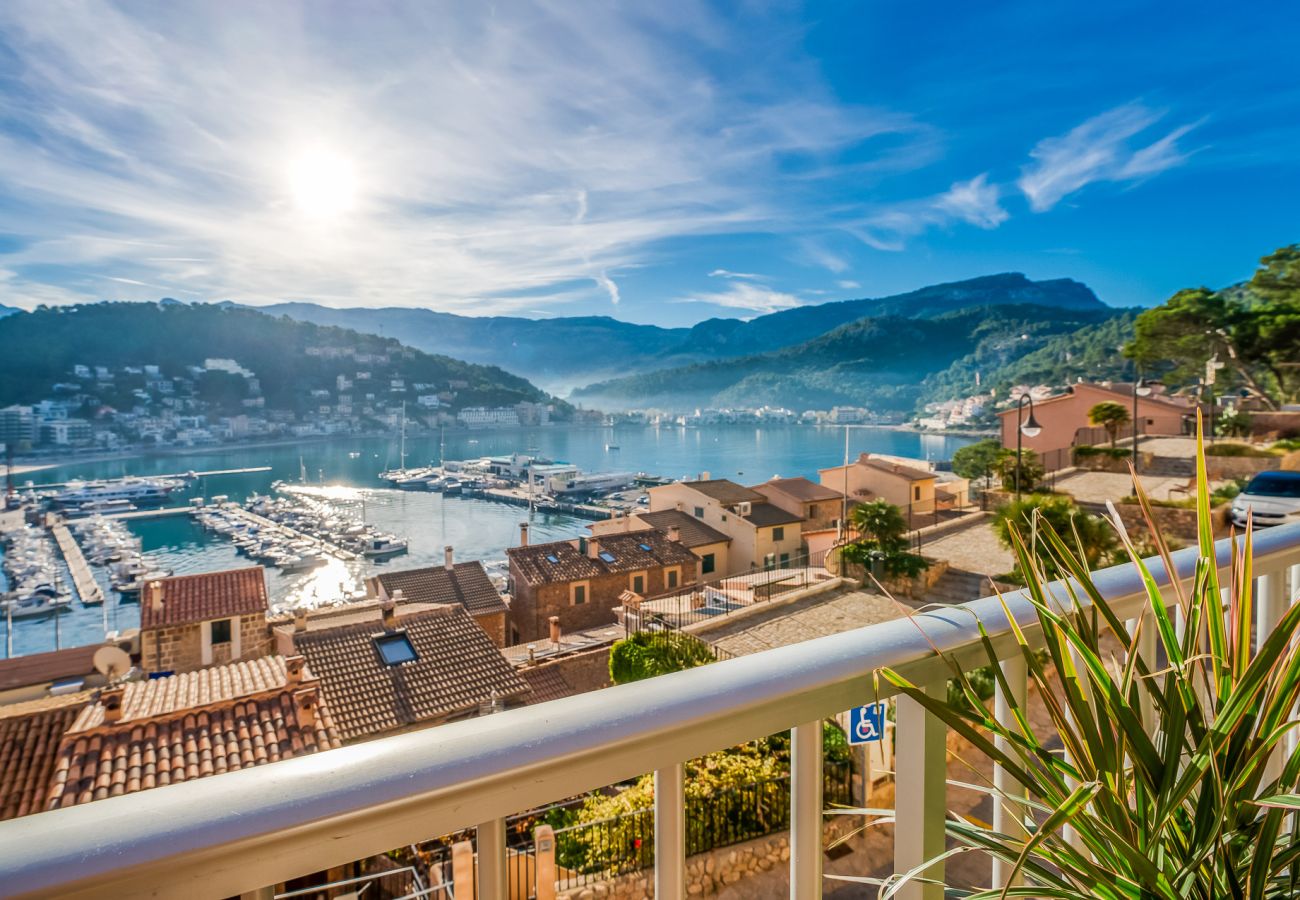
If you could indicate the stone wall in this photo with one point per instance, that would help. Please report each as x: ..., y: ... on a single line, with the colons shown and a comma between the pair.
x: 1225, y: 467
x: 179, y: 648
x: 1175, y: 523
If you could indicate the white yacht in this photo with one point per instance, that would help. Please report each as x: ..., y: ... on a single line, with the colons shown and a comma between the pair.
x: 139, y: 491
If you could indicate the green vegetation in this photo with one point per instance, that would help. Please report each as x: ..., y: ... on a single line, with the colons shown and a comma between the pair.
x: 1286, y: 445
x: 978, y: 461
x: 1024, y: 471
x: 883, y: 540
x: 289, y: 358
x: 1111, y: 416
x: 647, y: 654
x: 1252, y: 329
x: 1091, y: 537
x: 1238, y: 450
x: 1233, y: 423
x: 1176, y: 784
x: 1088, y: 452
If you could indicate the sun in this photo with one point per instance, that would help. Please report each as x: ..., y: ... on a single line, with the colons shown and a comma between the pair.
x: 322, y: 183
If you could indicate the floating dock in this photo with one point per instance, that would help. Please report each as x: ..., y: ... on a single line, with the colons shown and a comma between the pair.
x: 270, y: 525
x: 188, y: 476
x: 88, y: 589
x: 150, y: 513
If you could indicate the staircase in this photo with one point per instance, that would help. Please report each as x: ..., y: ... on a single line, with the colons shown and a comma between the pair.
x: 1170, y: 466
x: 958, y: 586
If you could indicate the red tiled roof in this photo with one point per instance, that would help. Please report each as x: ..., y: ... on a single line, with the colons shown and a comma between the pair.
x: 42, y: 668
x: 30, y: 734
x: 726, y: 492
x: 800, y: 489
x: 694, y: 533
x: 190, y: 726
x: 456, y: 668
x: 467, y: 584
x: 630, y: 552
x: 202, y: 598
x: 546, y: 683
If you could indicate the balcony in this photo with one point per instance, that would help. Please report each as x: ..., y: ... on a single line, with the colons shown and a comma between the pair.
x: 236, y: 834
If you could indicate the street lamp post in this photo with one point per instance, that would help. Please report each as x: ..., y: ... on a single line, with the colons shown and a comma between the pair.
x: 1140, y: 389
x: 1029, y: 429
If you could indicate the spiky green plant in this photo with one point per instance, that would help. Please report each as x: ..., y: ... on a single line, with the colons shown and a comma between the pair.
x: 1175, y: 782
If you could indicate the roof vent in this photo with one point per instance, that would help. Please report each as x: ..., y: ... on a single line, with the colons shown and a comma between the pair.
x: 293, y: 666
x: 112, y: 698
x: 156, y: 596
x: 447, y: 558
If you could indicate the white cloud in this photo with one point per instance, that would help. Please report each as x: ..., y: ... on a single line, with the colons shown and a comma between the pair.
x: 727, y: 273
x: 1100, y: 149
x: 848, y: 285
x: 974, y: 201
x: 155, y: 144
x: 817, y: 255
x: 747, y: 296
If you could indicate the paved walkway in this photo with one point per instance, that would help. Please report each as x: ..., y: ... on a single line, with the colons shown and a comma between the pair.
x: 1098, y: 487
x: 804, y: 620
x: 976, y: 549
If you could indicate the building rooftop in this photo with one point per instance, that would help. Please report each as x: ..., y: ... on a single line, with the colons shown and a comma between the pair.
x: 546, y: 683
x: 726, y: 492
x: 30, y: 734
x: 202, y: 598
x: 764, y: 515
x: 435, y: 663
x: 42, y: 668
x: 694, y: 533
x: 898, y: 469
x: 559, y: 562
x: 148, y: 734
x: 466, y: 584
x: 800, y: 489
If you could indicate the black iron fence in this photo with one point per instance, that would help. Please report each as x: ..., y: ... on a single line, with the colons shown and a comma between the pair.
x: 604, y: 849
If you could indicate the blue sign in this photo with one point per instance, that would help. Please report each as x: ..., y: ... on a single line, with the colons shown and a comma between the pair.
x: 867, y: 723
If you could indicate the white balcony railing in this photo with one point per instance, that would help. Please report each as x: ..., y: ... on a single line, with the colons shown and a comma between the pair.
x: 216, y: 837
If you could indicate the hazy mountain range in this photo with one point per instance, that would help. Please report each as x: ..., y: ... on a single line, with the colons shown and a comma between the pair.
x: 568, y: 352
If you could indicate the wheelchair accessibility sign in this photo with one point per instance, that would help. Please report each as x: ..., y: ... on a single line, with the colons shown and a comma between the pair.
x: 867, y: 723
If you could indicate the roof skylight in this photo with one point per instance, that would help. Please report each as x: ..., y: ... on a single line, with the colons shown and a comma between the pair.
x: 607, y: 556
x: 395, y: 649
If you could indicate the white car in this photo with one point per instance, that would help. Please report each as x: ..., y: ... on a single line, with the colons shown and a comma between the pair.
x: 1272, y: 497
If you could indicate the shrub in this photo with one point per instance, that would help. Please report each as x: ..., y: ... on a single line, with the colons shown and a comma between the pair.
x: 1088, y: 452
x: 1237, y: 450
x: 1089, y: 534
x: 1030, y: 469
x: 884, y: 540
x: 1286, y: 445
x: 647, y: 654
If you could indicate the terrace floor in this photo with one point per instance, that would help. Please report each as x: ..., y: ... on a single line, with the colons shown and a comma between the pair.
x: 818, y: 616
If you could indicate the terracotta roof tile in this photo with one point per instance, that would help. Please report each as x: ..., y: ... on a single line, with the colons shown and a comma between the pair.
x: 628, y: 552
x: 30, y: 734
x: 801, y: 489
x: 202, y: 598
x: 694, y: 532
x: 191, y: 726
x: 456, y: 668
x: 546, y: 683
x: 40, y: 668
x: 726, y: 492
x: 467, y: 584
x: 764, y: 515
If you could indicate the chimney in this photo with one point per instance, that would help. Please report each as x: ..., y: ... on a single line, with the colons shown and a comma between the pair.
x: 555, y: 630
x: 388, y: 610
x: 306, y: 700
x: 300, y: 619
x: 593, y: 548
x: 156, y: 596
x: 532, y: 654
x: 111, y: 699
x: 523, y: 534
x: 675, y: 534
x: 293, y: 666
x: 447, y: 559
x: 706, y: 476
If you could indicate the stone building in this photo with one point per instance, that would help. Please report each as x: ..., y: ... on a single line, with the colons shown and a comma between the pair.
x: 465, y: 584
x: 581, y: 582
x: 763, y: 535
x: 191, y: 621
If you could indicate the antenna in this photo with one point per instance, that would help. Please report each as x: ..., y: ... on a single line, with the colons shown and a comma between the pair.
x: 111, y: 662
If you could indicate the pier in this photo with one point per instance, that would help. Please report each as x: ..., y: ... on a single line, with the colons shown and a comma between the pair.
x: 151, y: 513
x: 270, y: 525
x: 516, y: 497
x: 88, y: 588
x: 186, y: 476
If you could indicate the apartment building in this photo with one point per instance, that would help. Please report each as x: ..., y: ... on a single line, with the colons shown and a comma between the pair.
x: 762, y: 534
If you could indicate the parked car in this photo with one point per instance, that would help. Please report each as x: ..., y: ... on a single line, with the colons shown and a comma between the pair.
x: 1273, y: 498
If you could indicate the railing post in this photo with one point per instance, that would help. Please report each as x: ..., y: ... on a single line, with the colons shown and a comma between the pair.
x: 921, y: 754
x: 670, y: 833
x: 493, y: 880
x: 1007, y: 817
x: 806, y: 811
x: 1270, y: 607
x: 544, y: 862
x: 462, y: 870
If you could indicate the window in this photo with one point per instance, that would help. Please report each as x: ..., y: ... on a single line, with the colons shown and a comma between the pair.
x: 785, y: 560
x: 672, y: 578
x: 579, y: 594
x: 812, y: 510
x: 699, y: 512
x: 221, y: 631
x: 645, y: 547
x: 638, y: 584
x: 707, y: 563
x: 606, y: 556
x: 916, y: 493
x: 395, y: 649
x: 778, y: 534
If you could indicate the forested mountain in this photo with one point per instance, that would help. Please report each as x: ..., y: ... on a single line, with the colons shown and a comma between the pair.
x: 289, y: 358
x: 878, y: 361
x: 564, y: 352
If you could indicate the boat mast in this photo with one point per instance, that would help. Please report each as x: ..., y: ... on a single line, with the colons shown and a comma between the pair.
x: 402, y: 462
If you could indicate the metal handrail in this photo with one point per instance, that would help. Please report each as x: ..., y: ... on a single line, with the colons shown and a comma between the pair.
x: 221, y: 836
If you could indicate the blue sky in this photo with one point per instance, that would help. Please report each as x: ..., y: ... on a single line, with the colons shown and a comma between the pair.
x: 660, y: 162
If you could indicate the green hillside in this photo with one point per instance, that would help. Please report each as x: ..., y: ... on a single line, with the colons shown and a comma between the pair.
x: 289, y: 358
x: 880, y: 362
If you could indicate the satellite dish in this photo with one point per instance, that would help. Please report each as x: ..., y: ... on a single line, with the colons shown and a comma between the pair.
x: 111, y: 662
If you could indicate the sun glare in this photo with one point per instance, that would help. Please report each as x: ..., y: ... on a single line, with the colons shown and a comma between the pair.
x: 322, y: 183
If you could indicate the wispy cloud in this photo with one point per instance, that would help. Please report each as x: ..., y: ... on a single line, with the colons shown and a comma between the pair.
x: 746, y: 295
x: 1107, y: 147
x: 848, y: 285
x: 975, y: 202
x: 161, y: 145
x: 727, y: 273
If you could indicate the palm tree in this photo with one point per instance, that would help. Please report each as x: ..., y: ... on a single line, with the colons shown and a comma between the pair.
x: 1110, y: 416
